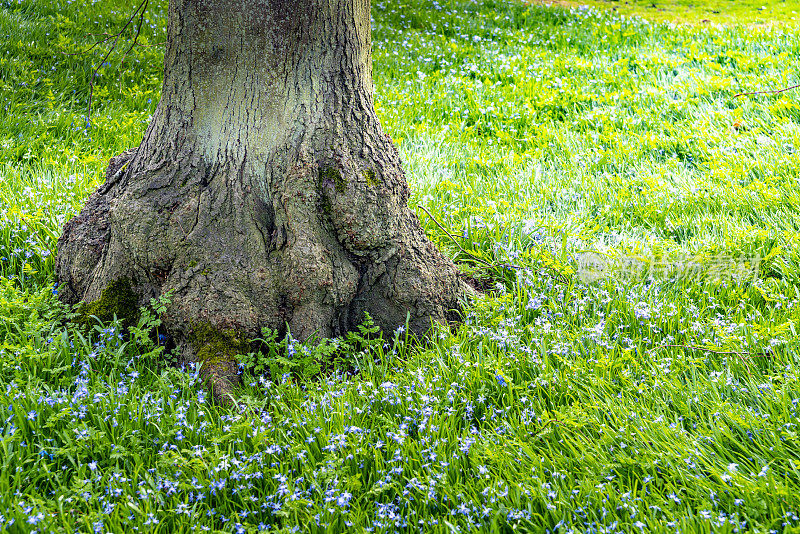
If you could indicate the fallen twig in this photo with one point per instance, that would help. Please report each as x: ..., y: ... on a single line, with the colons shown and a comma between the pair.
x: 510, y: 266
x: 714, y: 351
x: 740, y: 354
x: 775, y: 92
x: 443, y: 229
x: 545, y: 425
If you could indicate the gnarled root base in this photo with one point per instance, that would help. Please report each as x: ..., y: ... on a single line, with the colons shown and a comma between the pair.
x: 264, y: 192
x: 311, y: 245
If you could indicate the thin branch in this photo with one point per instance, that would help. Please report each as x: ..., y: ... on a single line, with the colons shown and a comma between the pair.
x: 775, y: 92
x: 141, y: 45
x: 140, y: 9
x: 138, y: 32
x: 162, y: 43
x: 107, y: 39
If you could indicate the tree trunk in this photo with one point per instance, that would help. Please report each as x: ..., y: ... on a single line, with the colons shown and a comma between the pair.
x: 264, y: 192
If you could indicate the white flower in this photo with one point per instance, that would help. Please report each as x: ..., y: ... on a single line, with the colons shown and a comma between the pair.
x: 642, y: 310
x: 343, y: 499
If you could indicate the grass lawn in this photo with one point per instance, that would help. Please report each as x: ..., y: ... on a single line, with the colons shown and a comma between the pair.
x: 752, y: 12
x: 632, y: 368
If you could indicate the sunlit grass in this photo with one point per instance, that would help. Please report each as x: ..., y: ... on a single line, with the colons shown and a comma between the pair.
x: 754, y: 12
x: 633, y: 368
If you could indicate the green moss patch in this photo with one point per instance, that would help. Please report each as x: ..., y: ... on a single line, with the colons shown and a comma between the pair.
x: 118, y: 299
x: 334, y: 176
x: 213, y: 345
x: 372, y: 180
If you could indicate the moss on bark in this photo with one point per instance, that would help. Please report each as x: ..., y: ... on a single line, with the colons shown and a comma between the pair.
x: 117, y: 299
x: 372, y: 180
x: 213, y: 345
x: 215, y: 350
x: 334, y: 176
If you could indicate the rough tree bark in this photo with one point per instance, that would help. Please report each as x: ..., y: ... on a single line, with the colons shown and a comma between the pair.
x: 264, y: 192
